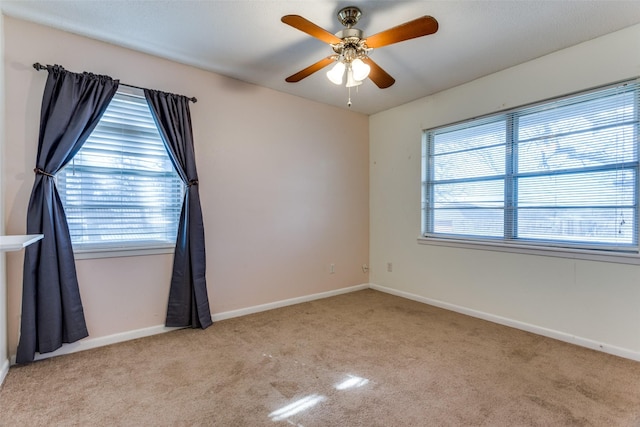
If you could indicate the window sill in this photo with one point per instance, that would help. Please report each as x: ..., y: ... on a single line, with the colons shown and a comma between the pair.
x: 121, y: 252
x: 549, y: 251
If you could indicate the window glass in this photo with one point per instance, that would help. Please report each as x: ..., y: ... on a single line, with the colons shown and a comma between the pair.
x: 563, y: 172
x: 121, y: 190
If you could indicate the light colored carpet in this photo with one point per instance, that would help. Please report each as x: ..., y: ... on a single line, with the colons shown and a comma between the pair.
x: 360, y: 359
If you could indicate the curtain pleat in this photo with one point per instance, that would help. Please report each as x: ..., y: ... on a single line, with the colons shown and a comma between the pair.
x: 52, y: 312
x: 188, y: 300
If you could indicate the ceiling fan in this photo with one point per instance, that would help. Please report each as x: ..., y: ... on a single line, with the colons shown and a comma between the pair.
x: 351, y: 48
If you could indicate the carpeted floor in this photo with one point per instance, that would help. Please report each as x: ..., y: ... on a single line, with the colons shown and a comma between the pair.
x: 359, y: 359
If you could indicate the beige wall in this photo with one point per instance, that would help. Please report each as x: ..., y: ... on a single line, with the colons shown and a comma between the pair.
x: 598, y: 303
x: 4, y: 355
x: 284, y: 192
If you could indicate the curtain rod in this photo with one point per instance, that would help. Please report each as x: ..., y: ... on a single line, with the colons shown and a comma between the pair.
x: 38, y: 66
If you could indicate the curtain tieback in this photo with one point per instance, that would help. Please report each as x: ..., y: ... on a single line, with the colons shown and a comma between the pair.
x: 41, y: 172
x: 192, y: 182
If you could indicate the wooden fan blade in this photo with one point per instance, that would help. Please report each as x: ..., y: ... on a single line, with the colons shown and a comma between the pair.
x: 310, y: 70
x: 306, y: 26
x: 409, y: 30
x: 380, y: 77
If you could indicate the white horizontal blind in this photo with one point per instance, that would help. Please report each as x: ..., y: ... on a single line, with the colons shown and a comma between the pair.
x: 560, y: 173
x: 121, y: 190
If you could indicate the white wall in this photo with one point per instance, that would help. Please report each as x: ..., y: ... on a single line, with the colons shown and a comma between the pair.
x: 593, y: 303
x: 283, y: 196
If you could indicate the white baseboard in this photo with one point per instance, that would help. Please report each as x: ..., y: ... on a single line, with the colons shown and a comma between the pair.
x: 286, y: 302
x: 89, y: 343
x: 4, y: 370
x: 558, y: 335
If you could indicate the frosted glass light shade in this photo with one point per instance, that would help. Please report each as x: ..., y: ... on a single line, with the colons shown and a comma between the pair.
x: 351, y: 82
x: 360, y: 69
x: 336, y: 73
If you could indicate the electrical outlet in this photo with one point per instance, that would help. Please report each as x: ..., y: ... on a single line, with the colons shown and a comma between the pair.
x: 389, y: 267
x: 332, y: 269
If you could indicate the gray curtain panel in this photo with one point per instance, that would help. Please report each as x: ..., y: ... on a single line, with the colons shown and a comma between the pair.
x: 52, y: 312
x: 188, y: 300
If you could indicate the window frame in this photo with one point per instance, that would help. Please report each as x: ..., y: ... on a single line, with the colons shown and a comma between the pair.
x: 127, y: 248
x: 628, y: 255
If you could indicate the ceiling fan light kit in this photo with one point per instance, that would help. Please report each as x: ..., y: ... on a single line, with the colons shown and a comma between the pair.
x: 360, y: 69
x: 351, y: 48
x: 336, y: 74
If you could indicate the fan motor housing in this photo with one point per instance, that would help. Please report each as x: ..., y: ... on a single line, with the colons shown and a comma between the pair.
x: 350, y: 33
x: 352, y: 44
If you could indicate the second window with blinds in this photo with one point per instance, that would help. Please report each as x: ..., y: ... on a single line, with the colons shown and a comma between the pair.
x: 559, y: 174
x: 121, y: 191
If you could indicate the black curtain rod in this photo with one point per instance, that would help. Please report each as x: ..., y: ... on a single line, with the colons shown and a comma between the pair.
x: 38, y: 66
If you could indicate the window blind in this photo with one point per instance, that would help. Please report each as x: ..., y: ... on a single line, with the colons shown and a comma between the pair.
x: 562, y: 172
x: 121, y: 190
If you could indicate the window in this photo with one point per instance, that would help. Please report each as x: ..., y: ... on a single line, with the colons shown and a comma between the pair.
x: 562, y: 173
x: 121, y: 190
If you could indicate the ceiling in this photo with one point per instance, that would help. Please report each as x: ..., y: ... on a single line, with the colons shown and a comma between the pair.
x: 245, y: 40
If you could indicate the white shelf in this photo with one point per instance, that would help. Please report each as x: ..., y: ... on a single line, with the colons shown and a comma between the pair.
x: 16, y: 243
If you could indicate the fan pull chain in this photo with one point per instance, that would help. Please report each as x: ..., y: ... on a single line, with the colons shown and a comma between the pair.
x: 349, y: 101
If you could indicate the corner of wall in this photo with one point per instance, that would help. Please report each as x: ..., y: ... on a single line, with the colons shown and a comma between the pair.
x: 4, y: 356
